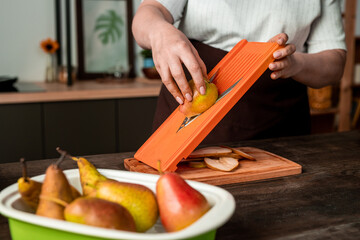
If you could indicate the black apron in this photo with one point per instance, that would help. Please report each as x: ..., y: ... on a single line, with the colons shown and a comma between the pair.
x: 271, y: 108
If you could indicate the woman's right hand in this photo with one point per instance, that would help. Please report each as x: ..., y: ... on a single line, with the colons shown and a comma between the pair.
x: 152, y: 28
x: 171, y: 48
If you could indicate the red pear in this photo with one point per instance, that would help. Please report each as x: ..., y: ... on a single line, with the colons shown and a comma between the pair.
x: 180, y: 205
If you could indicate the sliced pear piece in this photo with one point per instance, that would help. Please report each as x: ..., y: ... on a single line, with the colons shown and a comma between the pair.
x: 241, y: 153
x: 197, y: 164
x: 192, y: 159
x: 215, y: 155
x: 232, y: 155
x: 209, y: 152
x: 225, y: 164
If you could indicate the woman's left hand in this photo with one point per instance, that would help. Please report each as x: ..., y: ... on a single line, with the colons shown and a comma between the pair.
x: 285, y: 64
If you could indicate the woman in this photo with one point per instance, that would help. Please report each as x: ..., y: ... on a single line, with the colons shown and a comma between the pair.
x: 313, y: 55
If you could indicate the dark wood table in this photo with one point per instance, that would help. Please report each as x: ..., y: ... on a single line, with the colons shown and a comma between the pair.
x: 321, y: 203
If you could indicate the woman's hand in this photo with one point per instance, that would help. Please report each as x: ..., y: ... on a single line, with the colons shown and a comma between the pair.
x: 315, y: 70
x: 285, y: 64
x: 153, y: 29
x: 171, y: 48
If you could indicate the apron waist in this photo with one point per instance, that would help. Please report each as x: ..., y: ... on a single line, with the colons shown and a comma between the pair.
x: 271, y: 108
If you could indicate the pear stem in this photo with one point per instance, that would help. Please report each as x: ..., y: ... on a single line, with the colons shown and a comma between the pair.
x: 24, y: 169
x: 66, y: 154
x: 61, y: 158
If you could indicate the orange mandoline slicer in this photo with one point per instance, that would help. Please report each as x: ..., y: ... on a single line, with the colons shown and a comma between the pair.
x: 246, y: 62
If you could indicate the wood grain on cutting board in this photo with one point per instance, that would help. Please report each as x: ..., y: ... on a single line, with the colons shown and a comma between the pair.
x: 267, y: 165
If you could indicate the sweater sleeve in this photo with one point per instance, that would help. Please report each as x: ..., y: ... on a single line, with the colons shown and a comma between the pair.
x: 327, y: 31
x: 175, y: 7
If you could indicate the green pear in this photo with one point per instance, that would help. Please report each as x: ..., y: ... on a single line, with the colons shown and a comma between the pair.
x: 55, y: 186
x: 200, y: 103
x: 139, y: 200
x: 180, y: 205
x: 89, y: 176
x: 100, y: 213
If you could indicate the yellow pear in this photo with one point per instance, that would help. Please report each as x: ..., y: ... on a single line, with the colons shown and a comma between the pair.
x: 200, y: 103
x: 29, y: 189
x: 55, y: 186
x: 89, y: 176
x: 139, y: 200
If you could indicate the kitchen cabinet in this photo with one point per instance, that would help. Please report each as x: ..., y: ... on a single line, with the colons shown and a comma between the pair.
x: 135, y: 122
x: 20, y: 132
x: 34, y: 130
x: 80, y: 127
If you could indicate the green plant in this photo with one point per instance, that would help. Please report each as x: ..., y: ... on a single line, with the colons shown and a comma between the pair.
x: 109, y: 25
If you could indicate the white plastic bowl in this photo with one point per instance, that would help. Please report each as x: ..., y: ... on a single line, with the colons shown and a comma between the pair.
x: 24, y: 223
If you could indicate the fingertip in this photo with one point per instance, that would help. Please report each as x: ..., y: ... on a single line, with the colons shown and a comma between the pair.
x: 273, y: 76
x: 271, y: 66
x: 281, y: 41
x: 179, y: 100
x: 277, y: 54
x: 202, y: 90
x: 200, y: 85
x: 188, y: 97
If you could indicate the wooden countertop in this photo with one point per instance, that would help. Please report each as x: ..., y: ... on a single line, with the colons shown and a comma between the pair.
x: 323, y: 202
x: 85, y: 90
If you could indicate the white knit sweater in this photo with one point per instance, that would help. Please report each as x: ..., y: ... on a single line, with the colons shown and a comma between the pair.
x: 312, y: 25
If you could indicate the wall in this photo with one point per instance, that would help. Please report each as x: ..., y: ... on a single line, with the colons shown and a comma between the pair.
x: 24, y: 23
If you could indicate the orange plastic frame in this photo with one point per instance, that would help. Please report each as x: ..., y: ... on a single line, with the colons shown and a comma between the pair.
x: 246, y: 61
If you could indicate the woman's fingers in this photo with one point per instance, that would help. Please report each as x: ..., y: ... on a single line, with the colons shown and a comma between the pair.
x: 284, y: 64
x: 170, y: 68
x: 172, y: 51
x: 170, y: 83
x: 280, y: 39
x: 288, y: 50
x: 278, y: 65
x: 169, y: 62
x: 283, y: 68
x: 191, y: 60
x: 178, y: 74
x: 200, y: 85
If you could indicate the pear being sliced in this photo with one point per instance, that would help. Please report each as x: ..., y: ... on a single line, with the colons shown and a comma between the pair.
x: 225, y: 164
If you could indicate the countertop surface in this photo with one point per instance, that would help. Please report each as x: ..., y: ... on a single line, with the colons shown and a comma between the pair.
x: 84, y: 90
x: 323, y: 202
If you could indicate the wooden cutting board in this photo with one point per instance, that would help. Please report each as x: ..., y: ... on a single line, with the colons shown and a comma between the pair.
x: 267, y: 165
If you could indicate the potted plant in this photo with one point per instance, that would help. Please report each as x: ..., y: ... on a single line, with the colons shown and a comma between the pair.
x: 149, y: 69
